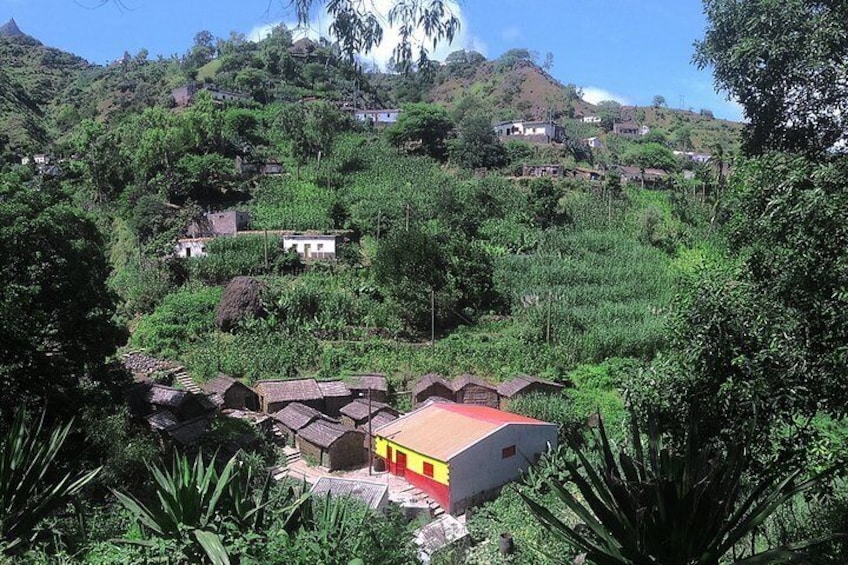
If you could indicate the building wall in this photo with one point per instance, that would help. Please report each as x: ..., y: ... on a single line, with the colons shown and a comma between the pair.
x: 478, y: 472
x: 191, y: 248
x: 376, y: 395
x: 228, y: 223
x: 242, y: 397
x: 347, y: 451
x: 332, y: 404
x: 437, y: 486
x: 434, y: 390
x: 312, y: 247
x: 271, y: 407
x: 479, y: 395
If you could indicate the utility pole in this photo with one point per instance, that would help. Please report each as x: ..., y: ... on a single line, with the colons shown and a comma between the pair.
x: 432, y: 317
x: 370, y: 437
x: 548, y: 330
x: 266, y: 250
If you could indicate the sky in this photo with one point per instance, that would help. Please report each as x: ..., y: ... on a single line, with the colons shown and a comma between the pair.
x: 626, y: 50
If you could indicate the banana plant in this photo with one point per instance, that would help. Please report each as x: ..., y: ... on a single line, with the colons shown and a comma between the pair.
x: 194, y: 504
x: 30, y: 487
x: 661, y: 506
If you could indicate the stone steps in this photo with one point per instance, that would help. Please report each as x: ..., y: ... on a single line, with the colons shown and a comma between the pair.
x: 182, y: 377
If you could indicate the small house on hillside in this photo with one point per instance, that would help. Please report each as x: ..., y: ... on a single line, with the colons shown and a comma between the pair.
x: 429, y: 386
x: 276, y: 395
x: 530, y: 131
x: 377, y: 117
x: 336, y: 394
x: 591, y: 119
x: 359, y: 386
x: 313, y: 246
x: 461, y: 455
x: 469, y: 389
x: 220, y: 223
x: 228, y: 392
x: 293, y: 418
x: 539, y: 171
x: 331, y: 445
x: 184, y: 95
x: 523, y: 385
x: 191, y: 247
x: 593, y: 142
x: 146, y: 398
x: 626, y: 129
x: 374, y: 495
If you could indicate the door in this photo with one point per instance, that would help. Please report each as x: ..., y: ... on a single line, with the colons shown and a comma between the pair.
x: 307, y: 250
x: 401, y: 464
x: 389, y: 463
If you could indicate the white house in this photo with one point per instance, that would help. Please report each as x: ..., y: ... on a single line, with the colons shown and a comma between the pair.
x: 538, y: 131
x: 593, y: 142
x: 312, y: 246
x: 377, y: 117
x: 191, y: 247
x: 591, y: 119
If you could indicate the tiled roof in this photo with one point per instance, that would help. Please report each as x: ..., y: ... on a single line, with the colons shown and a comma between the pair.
x: 464, y: 380
x: 370, y: 493
x: 381, y: 419
x: 162, y: 420
x: 296, y: 416
x: 371, y: 381
x: 358, y: 409
x: 519, y: 383
x: 289, y: 391
x: 161, y: 395
x: 323, y: 433
x: 189, y: 432
x: 333, y: 389
x: 442, y: 431
x: 429, y: 380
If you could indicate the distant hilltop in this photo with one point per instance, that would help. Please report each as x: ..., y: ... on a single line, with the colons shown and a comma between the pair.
x: 11, y: 29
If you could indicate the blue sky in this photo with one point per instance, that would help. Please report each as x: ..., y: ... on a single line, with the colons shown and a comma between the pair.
x: 630, y: 50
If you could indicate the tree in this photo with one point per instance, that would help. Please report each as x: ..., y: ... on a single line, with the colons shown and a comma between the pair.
x: 784, y: 63
x: 651, y: 156
x: 422, y: 129
x: 359, y: 30
x: 549, y: 61
x: 477, y: 144
x: 610, y: 113
x: 659, y: 101
x: 57, y: 310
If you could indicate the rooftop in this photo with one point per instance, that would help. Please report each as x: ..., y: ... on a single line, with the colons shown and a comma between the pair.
x: 289, y: 391
x: 370, y: 493
x: 358, y: 409
x: 519, y: 383
x: 323, y: 433
x: 372, y: 381
x: 296, y: 416
x: 442, y: 430
x: 333, y: 388
x: 429, y: 380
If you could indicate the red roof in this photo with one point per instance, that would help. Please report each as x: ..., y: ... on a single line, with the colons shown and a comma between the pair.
x: 487, y: 414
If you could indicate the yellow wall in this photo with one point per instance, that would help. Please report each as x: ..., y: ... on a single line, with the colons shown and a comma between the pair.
x: 414, y: 461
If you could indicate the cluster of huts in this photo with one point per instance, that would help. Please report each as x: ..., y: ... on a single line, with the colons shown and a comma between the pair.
x: 468, y: 389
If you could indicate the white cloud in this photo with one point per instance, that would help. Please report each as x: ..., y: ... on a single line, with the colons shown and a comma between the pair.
x: 511, y: 33
x: 593, y: 95
x: 382, y: 54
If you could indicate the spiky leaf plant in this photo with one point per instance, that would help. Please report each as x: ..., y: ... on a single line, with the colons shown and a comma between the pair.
x: 661, y: 506
x: 31, y: 486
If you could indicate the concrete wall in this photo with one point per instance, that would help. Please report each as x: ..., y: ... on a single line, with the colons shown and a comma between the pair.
x: 478, y: 472
x: 191, y: 247
x: 312, y: 247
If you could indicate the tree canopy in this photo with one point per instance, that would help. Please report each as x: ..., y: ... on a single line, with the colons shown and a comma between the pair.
x: 785, y: 62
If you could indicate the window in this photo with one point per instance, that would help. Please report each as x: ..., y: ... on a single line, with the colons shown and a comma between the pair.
x: 507, y: 452
x: 428, y: 469
x: 320, y: 246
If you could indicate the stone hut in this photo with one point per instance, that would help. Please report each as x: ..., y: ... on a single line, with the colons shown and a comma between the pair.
x: 429, y: 386
x: 293, y: 418
x: 525, y: 384
x: 336, y: 394
x: 355, y: 414
x: 276, y: 395
x: 359, y: 386
x: 331, y: 445
x: 147, y: 398
x: 469, y: 389
x: 227, y: 392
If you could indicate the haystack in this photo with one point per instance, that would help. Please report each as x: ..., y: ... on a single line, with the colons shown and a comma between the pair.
x: 241, y: 300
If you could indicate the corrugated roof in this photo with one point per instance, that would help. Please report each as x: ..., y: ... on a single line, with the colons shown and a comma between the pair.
x: 370, y: 493
x: 519, y: 383
x: 442, y: 431
x: 323, y: 433
x: 289, y: 391
x: 429, y: 380
x: 296, y: 416
x: 373, y: 381
x: 333, y: 389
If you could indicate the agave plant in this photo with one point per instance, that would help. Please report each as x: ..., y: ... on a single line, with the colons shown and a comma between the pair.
x: 195, y: 503
x: 663, y: 507
x: 30, y: 486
